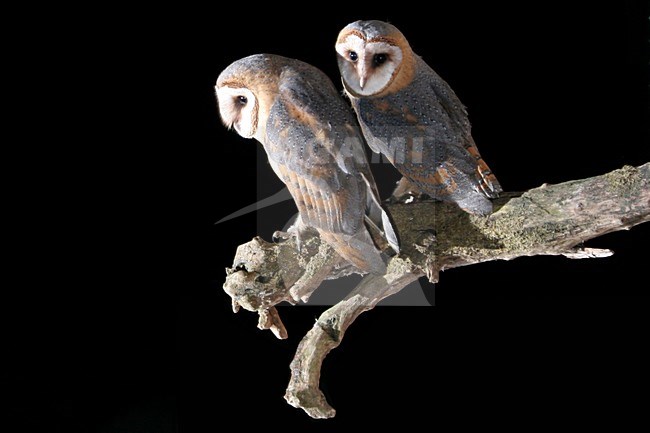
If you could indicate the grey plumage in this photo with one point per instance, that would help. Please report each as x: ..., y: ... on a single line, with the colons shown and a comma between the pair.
x: 414, y: 118
x: 315, y: 147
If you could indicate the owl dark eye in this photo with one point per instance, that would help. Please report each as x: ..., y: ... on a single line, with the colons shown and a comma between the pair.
x: 379, y: 59
x: 242, y: 100
x: 353, y: 56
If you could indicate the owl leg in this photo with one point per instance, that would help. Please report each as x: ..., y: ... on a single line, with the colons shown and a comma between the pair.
x: 301, y: 231
x: 405, y: 191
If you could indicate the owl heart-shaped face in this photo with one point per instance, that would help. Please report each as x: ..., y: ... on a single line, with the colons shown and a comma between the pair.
x: 238, y: 109
x: 367, y: 66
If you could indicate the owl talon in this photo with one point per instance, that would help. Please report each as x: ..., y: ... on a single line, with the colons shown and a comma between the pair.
x: 280, y: 237
x: 405, y: 199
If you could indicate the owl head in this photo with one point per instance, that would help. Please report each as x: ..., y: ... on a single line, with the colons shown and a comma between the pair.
x: 242, y: 92
x: 373, y: 56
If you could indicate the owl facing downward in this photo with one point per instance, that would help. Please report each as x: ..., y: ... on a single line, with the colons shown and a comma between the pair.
x: 314, y: 145
x: 411, y: 116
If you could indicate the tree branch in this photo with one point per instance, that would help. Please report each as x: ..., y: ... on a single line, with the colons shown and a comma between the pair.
x: 548, y: 220
x: 328, y: 331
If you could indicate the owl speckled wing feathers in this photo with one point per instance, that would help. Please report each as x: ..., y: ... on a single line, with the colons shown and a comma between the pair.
x: 314, y: 146
x: 411, y: 115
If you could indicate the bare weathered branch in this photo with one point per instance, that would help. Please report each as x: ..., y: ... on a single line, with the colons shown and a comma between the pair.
x: 548, y: 220
x: 327, y: 333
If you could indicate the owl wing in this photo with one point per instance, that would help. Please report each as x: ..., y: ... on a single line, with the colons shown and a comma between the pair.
x: 458, y: 122
x: 310, y: 144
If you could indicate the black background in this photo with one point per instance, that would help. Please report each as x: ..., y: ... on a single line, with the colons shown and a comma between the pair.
x: 121, y: 324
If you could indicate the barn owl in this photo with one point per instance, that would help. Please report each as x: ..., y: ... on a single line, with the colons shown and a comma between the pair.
x: 315, y: 147
x: 411, y: 116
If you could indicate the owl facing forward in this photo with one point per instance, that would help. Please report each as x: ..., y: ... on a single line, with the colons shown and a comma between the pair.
x: 411, y: 116
x: 314, y: 145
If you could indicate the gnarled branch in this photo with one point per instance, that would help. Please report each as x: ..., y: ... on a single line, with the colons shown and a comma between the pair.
x: 548, y: 220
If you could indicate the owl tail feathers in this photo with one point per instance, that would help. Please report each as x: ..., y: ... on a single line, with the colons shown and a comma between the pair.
x: 378, y: 223
x: 476, y: 204
x: 357, y: 249
x: 382, y: 234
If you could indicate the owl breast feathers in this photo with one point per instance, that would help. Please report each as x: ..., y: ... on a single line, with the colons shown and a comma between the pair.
x: 314, y: 145
x: 411, y: 116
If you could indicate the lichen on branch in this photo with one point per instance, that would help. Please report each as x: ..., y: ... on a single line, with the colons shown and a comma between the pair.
x: 434, y: 236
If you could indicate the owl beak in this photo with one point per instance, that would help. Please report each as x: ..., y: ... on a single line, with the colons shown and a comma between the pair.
x: 363, y: 75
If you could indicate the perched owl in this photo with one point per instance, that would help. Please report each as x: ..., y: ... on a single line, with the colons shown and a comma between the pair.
x: 411, y: 116
x: 314, y: 145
